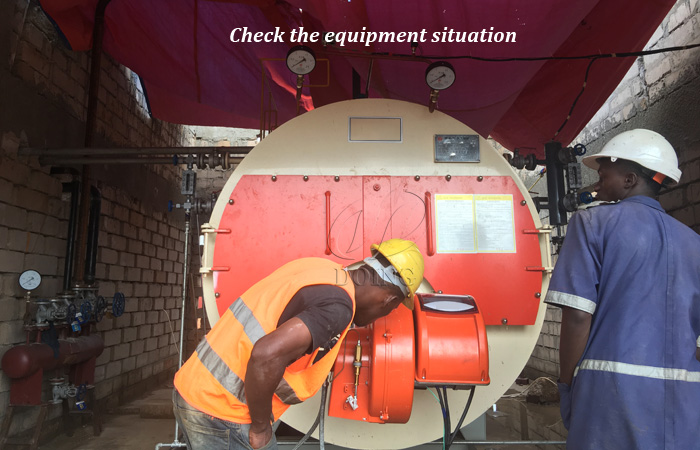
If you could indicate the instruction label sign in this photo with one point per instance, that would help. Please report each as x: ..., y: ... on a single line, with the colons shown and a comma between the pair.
x: 454, y: 219
x: 474, y: 223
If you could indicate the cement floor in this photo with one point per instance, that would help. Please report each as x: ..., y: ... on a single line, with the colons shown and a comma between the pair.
x: 146, y: 422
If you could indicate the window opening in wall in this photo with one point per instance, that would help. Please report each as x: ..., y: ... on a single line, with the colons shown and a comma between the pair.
x: 141, y: 95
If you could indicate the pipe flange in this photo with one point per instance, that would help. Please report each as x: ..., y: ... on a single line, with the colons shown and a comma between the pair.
x: 226, y: 160
x: 56, y: 381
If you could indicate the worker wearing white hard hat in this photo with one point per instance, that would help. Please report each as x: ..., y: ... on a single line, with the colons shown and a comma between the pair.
x: 648, y: 149
x: 628, y: 283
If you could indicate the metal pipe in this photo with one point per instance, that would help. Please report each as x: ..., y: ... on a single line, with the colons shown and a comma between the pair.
x: 555, y: 183
x: 93, y: 234
x: 24, y: 360
x: 184, y: 299
x: 171, y: 445
x: 176, y: 442
x: 439, y: 443
x: 148, y: 151
x: 91, y: 120
x: 129, y: 160
x: 70, y: 239
x: 95, y: 69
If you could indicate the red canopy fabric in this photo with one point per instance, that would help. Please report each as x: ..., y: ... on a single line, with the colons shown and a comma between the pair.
x: 195, y: 75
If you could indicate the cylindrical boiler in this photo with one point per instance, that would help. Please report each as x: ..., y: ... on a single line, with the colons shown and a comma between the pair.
x: 337, y: 179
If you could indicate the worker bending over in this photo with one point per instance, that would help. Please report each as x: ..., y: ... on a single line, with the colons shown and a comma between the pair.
x: 276, y: 344
x: 628, y: 283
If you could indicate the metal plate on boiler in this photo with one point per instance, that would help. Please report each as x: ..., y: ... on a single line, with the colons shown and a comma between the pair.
x: 457, y: 148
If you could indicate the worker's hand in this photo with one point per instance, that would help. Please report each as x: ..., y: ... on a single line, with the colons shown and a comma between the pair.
x: 260, y: 438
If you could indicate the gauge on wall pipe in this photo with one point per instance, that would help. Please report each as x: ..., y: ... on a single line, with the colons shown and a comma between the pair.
x: 29, y: 280
x: 439, y: 76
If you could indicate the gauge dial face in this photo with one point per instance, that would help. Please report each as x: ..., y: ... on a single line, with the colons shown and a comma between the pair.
x: 29, y: 280
x: 440, y: 75
x: 301, y: 60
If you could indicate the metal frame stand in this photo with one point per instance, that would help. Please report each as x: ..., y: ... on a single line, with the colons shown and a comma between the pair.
x: 33, y: 442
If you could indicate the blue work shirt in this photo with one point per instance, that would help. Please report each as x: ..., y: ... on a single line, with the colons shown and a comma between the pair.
x: 637, y: 271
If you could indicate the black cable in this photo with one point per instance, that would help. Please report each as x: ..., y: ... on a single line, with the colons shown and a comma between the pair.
x: 348, y: 52
x: 573, y: 105
x: 321, y: 431
x: 448, y: 419
x: 445, y: 429
x: 593, y: 58
x: 461, y: 419
x: 324, y: 391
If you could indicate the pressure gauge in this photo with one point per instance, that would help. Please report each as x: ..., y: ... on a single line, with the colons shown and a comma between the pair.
x: 29, y: 280
x: 301, y: 60
x: 440, y: 75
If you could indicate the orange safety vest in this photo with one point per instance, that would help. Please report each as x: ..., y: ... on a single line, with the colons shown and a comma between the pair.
x: 213, y: 379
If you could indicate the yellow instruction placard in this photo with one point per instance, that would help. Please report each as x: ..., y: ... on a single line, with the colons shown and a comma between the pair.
x: 454, y: 223
x: 495, y: 225
x: 474, y: 223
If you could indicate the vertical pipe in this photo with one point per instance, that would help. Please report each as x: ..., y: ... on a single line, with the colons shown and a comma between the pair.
x: 184, y: 300
x: 93, y: 234
x: 70, y: 239
x: 555, y: 183
x: 91, y: 119
x: 184, y: 286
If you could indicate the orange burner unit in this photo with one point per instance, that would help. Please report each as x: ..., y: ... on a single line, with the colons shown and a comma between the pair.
x: 441, y: 344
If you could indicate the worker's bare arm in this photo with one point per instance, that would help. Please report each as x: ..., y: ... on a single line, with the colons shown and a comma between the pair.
x: 575, y: 328
x: 270, y: 356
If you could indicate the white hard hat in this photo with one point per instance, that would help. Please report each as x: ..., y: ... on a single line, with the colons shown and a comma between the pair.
x: 645, y: 147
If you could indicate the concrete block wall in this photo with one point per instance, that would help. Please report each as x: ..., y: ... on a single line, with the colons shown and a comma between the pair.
x: 660, y: 92
x: 43, y: 98
x: 141, y: 255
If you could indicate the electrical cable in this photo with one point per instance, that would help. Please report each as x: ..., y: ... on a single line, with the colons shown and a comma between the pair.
x: 593, y: 58
x: 445, y: 414
x: 573, y: 105
x: 324, y: 392
x: 461, y: 419
x: 322, y: 422
x: 448, y: 419
x: 444, y: 438
x: 348, y: 52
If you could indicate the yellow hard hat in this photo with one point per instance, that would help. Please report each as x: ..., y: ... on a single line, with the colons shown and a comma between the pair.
x: 405, y: 257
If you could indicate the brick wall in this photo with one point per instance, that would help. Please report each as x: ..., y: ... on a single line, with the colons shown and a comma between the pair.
x: 43, y: 97
x: 660, y: 92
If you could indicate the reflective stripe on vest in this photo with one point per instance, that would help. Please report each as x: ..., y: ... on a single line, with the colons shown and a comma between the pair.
x: 660, y: 373
x: 218, y: 368
x: 213, y: 379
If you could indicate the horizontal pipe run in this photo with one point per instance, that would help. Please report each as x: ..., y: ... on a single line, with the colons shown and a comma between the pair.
x: 285, y: 443
x: 53, y: 161
x: 24, y: 360
x: 149, y: 151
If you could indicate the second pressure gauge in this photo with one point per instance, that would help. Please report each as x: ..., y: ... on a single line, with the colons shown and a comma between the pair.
x: 440, y: 75
x: 29, y: 280
x: 301, y: 60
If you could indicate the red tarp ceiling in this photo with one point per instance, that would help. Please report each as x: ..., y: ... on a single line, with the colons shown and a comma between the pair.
x: 195, y: 75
